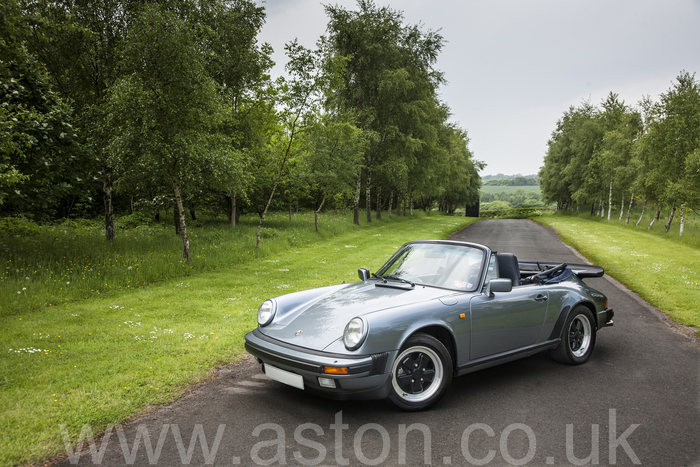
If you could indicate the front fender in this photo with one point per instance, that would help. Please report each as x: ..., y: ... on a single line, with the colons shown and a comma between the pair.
x: 389, y: 329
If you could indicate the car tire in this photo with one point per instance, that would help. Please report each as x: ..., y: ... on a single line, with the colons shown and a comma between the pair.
x: 577, y: 338
x: 420, y: 374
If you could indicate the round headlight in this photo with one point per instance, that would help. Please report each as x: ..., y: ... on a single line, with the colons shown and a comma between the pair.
x: 266, y: 312
x: 354, y: 334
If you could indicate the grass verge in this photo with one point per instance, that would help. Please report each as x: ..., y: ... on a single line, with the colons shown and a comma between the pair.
x: 52, y: 264
x: 102, y: 360
x: 663, y: 271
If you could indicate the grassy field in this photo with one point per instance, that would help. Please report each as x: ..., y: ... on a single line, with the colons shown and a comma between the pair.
x: 107, y: 357
x: 662, y: 268
x: 49, y: 265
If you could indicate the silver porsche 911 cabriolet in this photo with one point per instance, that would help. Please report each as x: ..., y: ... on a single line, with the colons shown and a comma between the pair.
x: 435, y: 310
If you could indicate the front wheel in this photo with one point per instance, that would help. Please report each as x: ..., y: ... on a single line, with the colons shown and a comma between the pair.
x: 421, y: 373
x: 577, y: 339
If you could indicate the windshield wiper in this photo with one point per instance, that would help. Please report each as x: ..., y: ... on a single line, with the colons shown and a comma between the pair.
x: 405, y: 281
x: 381, y: 278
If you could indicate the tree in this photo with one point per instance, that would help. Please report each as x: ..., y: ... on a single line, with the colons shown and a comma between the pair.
x: 333, y: 157
x: 668, y: 148
x: 311, y: 72
x: 40, y: 162
x: 78, y: 42
x: 389, y: 82
x: 163, y: 111
x: 240, y: 66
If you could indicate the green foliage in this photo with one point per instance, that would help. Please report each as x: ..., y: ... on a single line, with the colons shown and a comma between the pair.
x: 131, y: 221
x: 390, y: 86
x: 514, y: 197
x: 611, y: 155
x: 40, y: 164
x: 172, y: 102
x: 518, y: 213
x: 517, y: 181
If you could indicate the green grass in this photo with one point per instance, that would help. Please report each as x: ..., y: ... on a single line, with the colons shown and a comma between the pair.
x: 48, y: 265
x: 106, y: 358
x: 662, y: 268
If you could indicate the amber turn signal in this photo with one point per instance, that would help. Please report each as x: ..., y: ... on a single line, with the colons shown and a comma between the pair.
x: 335, y: 370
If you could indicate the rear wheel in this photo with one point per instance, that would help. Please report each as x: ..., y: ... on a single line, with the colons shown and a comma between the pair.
x: 421, y: 373
x: 577, y: 338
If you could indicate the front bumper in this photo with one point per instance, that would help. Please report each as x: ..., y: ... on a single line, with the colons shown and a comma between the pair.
x: 367, y: 378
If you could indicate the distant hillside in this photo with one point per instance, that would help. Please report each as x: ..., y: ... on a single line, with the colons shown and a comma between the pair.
x: 500, y: 176
x: 517, y: 181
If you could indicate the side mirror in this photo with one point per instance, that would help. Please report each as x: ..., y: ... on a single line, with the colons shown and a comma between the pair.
x: 498, y: 285
x: 363, y: 273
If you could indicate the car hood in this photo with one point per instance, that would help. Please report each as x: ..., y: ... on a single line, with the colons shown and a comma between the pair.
x: 317, y: 324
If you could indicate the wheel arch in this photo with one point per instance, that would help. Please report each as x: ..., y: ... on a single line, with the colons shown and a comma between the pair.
x: 591, y: 308
x: 564, y: 315
x: 442, y: 334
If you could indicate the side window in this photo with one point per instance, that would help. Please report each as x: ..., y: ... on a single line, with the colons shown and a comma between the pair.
x: 492, y: 271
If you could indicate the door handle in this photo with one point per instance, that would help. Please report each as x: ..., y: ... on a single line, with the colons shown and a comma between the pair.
x: 541, y: 298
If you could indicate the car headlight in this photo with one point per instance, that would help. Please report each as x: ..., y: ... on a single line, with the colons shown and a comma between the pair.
x: 355, y: 333
x: 266, y: 312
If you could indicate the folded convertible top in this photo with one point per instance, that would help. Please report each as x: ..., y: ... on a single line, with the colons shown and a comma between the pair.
x: 528, y: 268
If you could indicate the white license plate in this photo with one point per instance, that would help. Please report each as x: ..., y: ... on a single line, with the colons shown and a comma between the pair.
x: 285, y: 377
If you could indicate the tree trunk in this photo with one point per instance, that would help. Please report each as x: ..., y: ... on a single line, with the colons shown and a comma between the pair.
x: 379, y: 202
x: 622, y: 206
x: 131, y: 205
x: 682, y: 219
x: 670, y: 218
x: 290, y: 213
x: 602, y: 207
x: 368, y: 199
x: 181, y: 219
x: 356, y: 207
x: 192, y: 213
x: 391, y: 201
x: 176, y: 218
x: 233, y: 211
x: 317, y: 211
x: 629, y: 210
x: 405, y: 197
x: 593, y: 209
x: 578, y: 207
x: 644, y: 208
x: 656, y: 217
x: 410, y: 204
x: 109, y: 210
x: 274, y: 187
x: 610, y: 200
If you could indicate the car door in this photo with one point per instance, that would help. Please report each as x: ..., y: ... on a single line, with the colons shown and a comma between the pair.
x: 507, y: 321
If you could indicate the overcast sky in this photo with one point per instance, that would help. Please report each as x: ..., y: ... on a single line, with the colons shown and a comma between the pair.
x: 514, y: 66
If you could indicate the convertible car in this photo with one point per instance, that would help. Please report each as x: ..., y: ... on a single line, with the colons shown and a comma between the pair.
x: 435, y: 310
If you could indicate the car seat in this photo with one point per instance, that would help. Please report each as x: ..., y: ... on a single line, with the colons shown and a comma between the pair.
x: 508, y: 267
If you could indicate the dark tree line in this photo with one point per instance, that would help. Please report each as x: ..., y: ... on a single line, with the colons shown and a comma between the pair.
x: 114, y: 105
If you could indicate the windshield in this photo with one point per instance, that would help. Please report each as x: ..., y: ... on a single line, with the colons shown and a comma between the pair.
x: 440, y: 265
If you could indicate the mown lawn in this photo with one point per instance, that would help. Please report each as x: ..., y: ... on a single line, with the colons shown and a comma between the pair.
x: 663, y: 269
x: 106, y: 358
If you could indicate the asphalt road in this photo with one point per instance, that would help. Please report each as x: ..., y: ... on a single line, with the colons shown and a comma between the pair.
x: 636, y: 402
